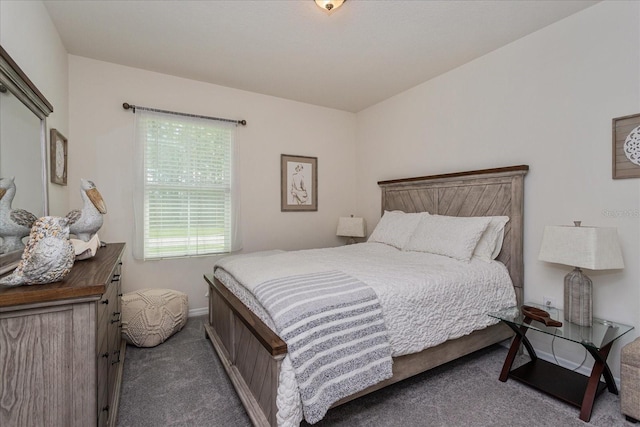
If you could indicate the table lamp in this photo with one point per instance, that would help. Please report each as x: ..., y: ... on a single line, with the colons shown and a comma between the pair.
x: 593, y: 248
x: 351, y: 227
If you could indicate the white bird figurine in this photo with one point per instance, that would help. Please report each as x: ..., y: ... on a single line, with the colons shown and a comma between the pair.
x: 48, y: 256
x: 14, y: 223
x: 86, y: 222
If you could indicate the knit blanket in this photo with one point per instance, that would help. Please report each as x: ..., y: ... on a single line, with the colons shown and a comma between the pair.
x: 335, y: 334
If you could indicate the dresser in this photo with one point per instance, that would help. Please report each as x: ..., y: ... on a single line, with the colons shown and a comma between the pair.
x: 61, y: 352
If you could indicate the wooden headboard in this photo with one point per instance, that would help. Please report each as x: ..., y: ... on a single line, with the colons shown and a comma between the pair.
x: 488, y: 192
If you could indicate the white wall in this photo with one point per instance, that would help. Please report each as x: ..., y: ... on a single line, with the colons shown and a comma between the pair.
x: 28, y: 35
x: 102, y: 132
x: 546, y: 100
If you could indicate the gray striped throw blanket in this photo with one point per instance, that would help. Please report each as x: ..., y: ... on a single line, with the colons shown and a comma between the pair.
x: 334, y: 330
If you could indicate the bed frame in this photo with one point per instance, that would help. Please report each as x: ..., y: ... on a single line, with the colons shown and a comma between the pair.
x: 251, y: 353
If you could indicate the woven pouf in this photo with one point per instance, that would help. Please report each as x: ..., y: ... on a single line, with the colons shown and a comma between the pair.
x: 150, y: 316
x: 630, y: 380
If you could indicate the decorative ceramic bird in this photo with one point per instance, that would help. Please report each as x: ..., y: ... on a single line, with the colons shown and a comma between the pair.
x: 48, y: 256
x: 14, y: 223
x: 86, y: 222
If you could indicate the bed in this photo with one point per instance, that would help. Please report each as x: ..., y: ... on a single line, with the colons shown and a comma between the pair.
x: 253, y: 355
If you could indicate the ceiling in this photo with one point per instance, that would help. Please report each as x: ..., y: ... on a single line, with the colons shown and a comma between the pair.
x: 363, y: 53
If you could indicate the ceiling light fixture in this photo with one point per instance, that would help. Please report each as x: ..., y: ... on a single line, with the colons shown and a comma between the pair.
x: 329, y: 5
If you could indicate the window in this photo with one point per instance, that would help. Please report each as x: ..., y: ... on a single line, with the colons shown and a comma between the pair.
x: 184, y: 197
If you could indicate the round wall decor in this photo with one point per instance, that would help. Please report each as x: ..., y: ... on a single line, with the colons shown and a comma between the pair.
x: 632, y: 146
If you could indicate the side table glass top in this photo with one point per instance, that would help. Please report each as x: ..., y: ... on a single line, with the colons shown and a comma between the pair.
x: 597, y: 336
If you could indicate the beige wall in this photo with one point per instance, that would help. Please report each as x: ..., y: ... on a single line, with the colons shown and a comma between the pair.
x: 546, y: 100
x: 28, y: 35
x: 102, y: 132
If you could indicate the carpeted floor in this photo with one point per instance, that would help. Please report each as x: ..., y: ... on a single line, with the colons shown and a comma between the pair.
x: 182, y: 383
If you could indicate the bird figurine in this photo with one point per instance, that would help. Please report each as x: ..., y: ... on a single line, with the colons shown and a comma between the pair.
x: 48, y: 255
x: 86, y: 222
x: 14, y: 223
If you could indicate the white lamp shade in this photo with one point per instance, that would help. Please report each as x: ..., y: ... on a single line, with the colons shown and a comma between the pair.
x: 351, y: 227
x: 594, y: 248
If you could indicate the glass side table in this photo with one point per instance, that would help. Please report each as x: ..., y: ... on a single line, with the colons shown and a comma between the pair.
x: 562, y: 383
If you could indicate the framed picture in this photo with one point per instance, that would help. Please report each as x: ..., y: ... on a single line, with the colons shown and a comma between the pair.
x: 626, y: 147
x: 58, y: 157
x: 299, y: 183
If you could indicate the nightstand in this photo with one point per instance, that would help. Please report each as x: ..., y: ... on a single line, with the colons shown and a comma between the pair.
x: 564, y: 384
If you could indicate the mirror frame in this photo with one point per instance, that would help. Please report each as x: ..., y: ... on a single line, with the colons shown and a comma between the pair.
x: 16, y: 81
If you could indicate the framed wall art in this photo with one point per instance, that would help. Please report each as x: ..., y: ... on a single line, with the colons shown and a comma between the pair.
x: 299, y: 183
x: 626, y: 147
x: 58, y: 157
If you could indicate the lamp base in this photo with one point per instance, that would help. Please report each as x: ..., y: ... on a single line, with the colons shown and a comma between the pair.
x: 578, y: 302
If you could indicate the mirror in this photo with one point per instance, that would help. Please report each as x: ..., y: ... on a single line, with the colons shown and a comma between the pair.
x: 23, y: 112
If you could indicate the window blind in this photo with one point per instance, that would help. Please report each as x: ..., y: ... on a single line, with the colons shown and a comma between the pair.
x: 186, y: 185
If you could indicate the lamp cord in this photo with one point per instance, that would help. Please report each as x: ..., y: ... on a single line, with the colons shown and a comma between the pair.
x: 553, y: 340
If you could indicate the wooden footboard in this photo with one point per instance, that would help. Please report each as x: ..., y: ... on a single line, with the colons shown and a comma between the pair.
x: 252, y: 354
x: 249, y: 351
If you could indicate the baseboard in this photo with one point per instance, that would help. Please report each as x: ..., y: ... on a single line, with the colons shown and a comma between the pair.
x: 198, y: 311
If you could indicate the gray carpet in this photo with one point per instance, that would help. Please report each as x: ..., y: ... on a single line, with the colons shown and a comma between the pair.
x: 182, y: 383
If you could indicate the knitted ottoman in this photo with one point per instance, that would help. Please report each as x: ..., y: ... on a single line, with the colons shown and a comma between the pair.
x: 630, y: 380
x: 150, y: 316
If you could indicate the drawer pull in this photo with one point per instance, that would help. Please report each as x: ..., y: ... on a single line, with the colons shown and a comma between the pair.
x: 116, y: 320
x: 117, y: 361
x: 120, y: 294
x: 115, y: 278
x: 106, y: 408
x: 105, y: 301
x: 106, y: 354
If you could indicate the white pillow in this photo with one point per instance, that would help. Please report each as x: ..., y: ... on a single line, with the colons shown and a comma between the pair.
x: 490, y: 243
x: 451, y: 236
x: 395, y: 228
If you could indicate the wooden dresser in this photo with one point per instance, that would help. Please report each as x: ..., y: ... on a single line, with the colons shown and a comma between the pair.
x: 61, y: 353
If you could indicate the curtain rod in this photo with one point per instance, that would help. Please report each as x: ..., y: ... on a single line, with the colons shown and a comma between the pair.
x: 128, y: 106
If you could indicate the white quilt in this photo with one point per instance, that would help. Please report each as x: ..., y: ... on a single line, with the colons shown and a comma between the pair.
x: 426, y: 299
